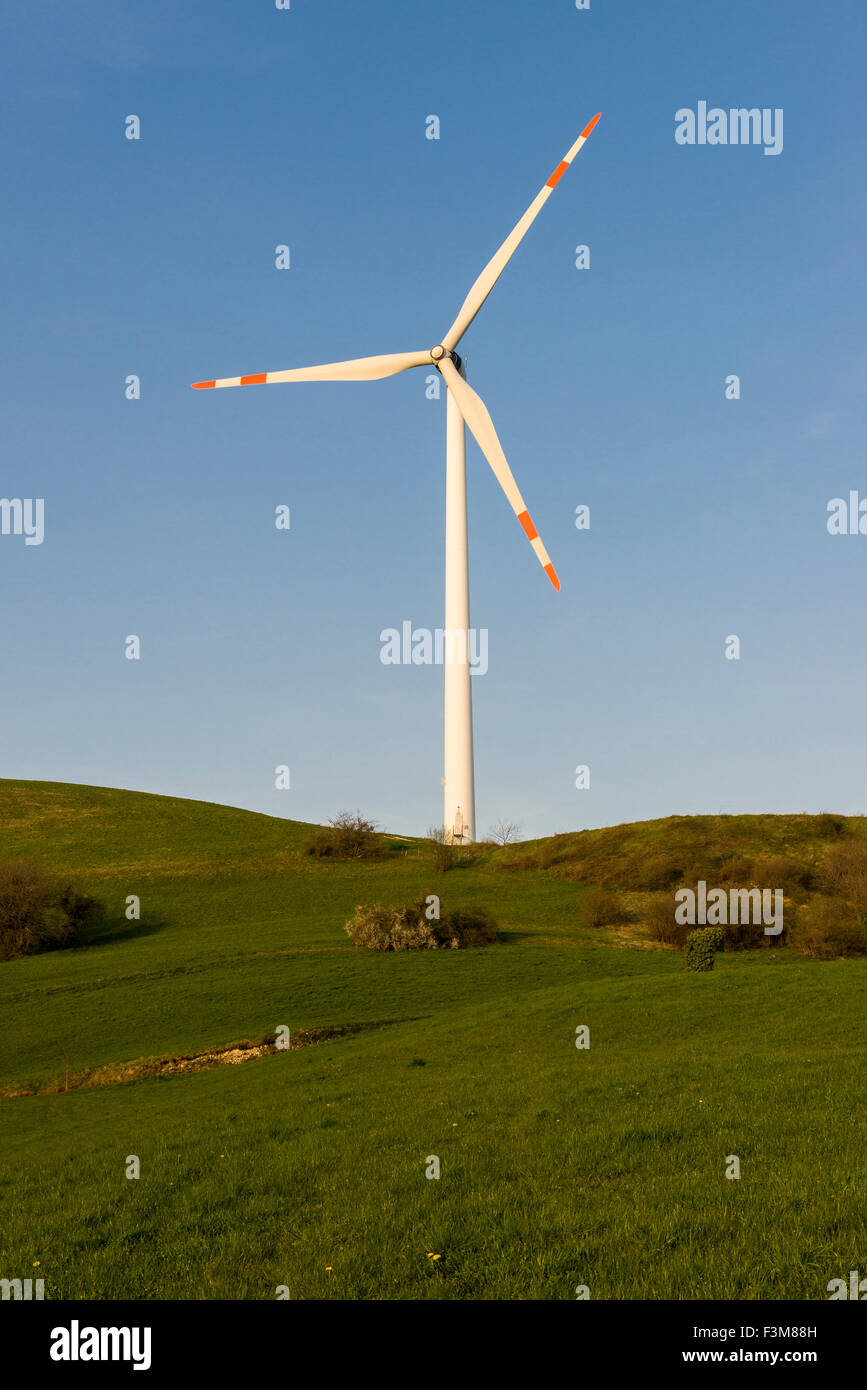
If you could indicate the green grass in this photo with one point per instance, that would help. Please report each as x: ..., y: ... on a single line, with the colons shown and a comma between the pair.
x: 559, y: 1167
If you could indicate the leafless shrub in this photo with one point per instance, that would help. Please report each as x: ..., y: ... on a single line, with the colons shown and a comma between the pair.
x: 505, y: 832
x: 348, y: 836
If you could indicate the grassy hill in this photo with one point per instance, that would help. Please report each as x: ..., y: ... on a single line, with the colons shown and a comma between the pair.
x: 306, y: 1168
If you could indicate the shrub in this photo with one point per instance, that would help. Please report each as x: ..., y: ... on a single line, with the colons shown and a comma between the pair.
x: 658, y: 914
x: 467, y: 926
x: 320, y: 843
x: 701, y: 947
x: 830, y: 826
x: 827, y: 928
x: 445, y: 851
x: 602, y: 908
x: 779, y: 871
x: 407, y: 928
x: 843, y: 873
x: 347, y: 836
x: 38, y: 912
x: 731, y: 872
x: 747, y: 936
x: 834, y: 921
x: 656, y: 872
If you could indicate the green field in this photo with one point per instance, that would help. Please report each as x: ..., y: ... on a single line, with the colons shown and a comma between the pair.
x: 559, y: 1167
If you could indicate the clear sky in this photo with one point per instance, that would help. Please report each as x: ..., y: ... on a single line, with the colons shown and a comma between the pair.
x: 260, y: 647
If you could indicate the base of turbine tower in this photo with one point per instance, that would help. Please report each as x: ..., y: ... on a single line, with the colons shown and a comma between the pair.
x: 459, y: 832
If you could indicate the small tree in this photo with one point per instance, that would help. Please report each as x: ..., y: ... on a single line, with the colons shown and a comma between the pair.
x: 505, y: 832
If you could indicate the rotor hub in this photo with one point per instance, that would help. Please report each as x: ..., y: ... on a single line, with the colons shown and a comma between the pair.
x: 439, y: 352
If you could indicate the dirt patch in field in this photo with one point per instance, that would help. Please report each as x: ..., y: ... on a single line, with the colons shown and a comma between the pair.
x: 232, y: 1055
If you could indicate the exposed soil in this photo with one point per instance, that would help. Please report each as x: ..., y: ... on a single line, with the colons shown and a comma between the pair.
x: 230, y: 1055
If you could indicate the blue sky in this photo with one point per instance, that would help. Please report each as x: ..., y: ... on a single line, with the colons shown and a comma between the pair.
x: 607, y: 386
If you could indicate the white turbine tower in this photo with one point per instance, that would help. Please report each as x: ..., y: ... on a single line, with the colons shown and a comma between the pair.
x: 464, y: 409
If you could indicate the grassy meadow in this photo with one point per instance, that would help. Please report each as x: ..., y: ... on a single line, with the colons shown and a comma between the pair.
x: 559, y: 1167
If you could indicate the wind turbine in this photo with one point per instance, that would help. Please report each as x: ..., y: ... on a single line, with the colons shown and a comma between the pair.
x: 464, y: 409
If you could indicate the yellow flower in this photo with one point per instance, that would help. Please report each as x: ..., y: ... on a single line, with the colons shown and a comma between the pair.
x: 432, y: 1256
x: 35, y: 1263
x: 328, y: 1267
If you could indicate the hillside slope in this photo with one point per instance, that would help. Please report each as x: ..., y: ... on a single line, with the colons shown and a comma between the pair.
x: 239, y: 925
x: 307, y: 1168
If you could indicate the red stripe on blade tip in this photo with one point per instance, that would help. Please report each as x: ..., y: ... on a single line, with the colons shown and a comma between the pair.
x: 587, y: 129
x: 527, y: 522
x: 552, y: 575
x: 200, y: 385
x: 557, y: 174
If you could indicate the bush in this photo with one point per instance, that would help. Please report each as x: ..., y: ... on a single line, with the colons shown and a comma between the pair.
x: 732, y: 872
x: 469, y: 926
x: 701, y: 947
x: 779, y: 871
x: 347, y: 836
x: 38, y: 912
x: 834, y: 921
x: 656, y: 872
x: 445, y: 851
x: 408, y: 928
x: 827, y: 928
x: 831, y: 826
x: 843, y: 873
x: 602, y: 908
x: 658, y: 914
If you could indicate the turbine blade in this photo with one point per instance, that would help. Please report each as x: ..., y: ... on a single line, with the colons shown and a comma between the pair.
x: 480, y: 424
x: 495, y: 267
x: 360, y: 369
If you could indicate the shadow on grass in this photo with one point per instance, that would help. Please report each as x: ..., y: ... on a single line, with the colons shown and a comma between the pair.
x: 508, y: 935
x: 111, y: 931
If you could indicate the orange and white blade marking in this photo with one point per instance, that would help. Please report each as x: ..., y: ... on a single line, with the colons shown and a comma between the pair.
x: 480, y: 424
x: 536, y: 541
x: 497, y: 264
x: 358, y: 369
x: 567, y: 159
